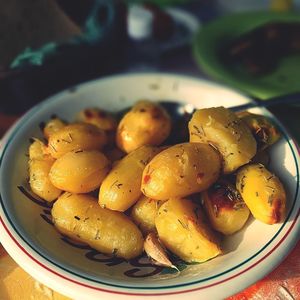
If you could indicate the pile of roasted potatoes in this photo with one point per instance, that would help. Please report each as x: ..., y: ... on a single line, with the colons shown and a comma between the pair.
x: 152, y: 196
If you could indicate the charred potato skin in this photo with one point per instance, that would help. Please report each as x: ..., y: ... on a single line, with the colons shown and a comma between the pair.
x: 221, y: 128
x: 81, y: 218
x: 99, y: 118
x: 263, y: 193
x: 183, y: 230
x: 121, y: 188
x: 147, y: 123
x: 181, y: 170
x: 79, y: 171
x: 225, y: 208
x: 264, y: 131
x: 76, y: 136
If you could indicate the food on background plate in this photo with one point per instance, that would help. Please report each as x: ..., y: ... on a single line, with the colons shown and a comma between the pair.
x: 181, y: 197
x: 260, y: 50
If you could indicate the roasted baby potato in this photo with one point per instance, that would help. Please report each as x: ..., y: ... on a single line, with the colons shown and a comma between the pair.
x: 181, y: 170
x: 263, y: 193
x: 39, y: 180
x: 110, y: 232
x: 225, y: 207
x: 79, y: 171
x: 99, y: 118
x: 40, y: 163
x: 264, y: 131
x: 76, y: 136
x: 221, y: 128
x: 181, y: 228
x: 55, y: 124
x: 147, y: 123
x: 121, y: 188
x: 144, y: 212
x: 38, y: 150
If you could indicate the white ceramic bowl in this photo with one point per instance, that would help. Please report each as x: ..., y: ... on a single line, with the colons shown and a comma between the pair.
x: 82, y: 273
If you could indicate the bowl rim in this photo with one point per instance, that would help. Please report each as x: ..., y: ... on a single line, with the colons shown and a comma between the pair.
x: 9, y: 137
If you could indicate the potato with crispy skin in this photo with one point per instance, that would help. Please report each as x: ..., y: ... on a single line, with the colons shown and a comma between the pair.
x: 264, y: 131
x: 110, y: 232
x: 182, y: 229
x: 181, y: 170
x: 122, y: 186
x: 221, y: 128
x: 225, y: 208
x: 263, y: 193
x: 147, y: 123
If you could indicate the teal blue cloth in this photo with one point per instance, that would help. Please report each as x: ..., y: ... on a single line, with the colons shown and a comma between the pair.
x: 94, y: 31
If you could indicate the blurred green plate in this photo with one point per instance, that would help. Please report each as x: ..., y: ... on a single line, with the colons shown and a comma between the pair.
x: 283, y: 80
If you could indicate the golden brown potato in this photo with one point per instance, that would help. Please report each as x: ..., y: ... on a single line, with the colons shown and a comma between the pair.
x: 147, y: 123
x: 52, y: 126
x: 221, y: 128
x: 181, y: 170
x: 225, y: 207
x: 144, y: 213
x: 79, y: 171
x: 264, y: 131
x: 39, y: 180
x: 99, y: 118
x: 110, y: 232
x: 263, y: 193
x: 77, y: 136
x: 182, y: 229
x: 38, y: 150
x: 121, y: 188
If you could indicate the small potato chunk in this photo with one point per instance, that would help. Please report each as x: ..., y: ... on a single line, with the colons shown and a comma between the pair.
x: 147, y: 123
x: 99, y: 118
x: 221, y: 128
x: 110, y: 232
x: 38, y: 150
x: 181, y: 170
x: 225, y: 207
x: 39, y: 180
x: 121, y: 188
x: 77, y: 136
x: 182, y: 229
x: 263, y: 193
x: 54, y: 125
x: 264, y: 131
x: 144, y: 213
x: 79, y: 171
